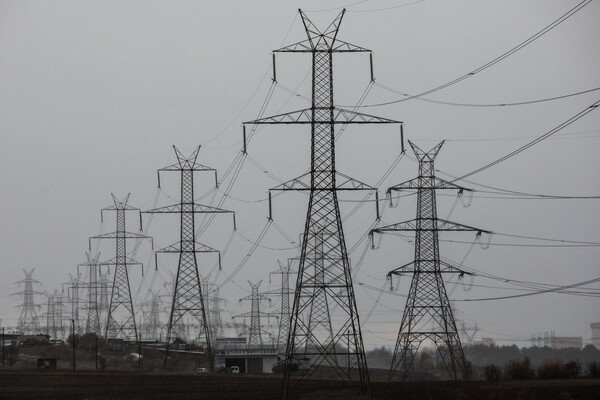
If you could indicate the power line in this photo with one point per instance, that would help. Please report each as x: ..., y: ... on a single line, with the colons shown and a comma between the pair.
x: 503, y: 104
x: 496, y: 60
x: 546, y: 135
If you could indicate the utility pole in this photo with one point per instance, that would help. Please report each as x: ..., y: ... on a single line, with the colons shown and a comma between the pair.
x: 254, y: 333
x: 93, y: 317
x: 28, y: 320
x: 187, y: 293
x: 428, y: 313
x: 324, y: 280
x: 121, y: 305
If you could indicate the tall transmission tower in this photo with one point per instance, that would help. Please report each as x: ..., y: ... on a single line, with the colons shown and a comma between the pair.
x: 428, y: 313
x: 120, y: 319
x: 54, y: 316
x: 93, y: 316
x: 324, y: 280
x: 187, y: 294
x: 284, y: 313
x: 73, y: 295
x: 212, y: 305
x: 28, y: 320
x: 152, y: 324
x: 255, y: 332
x: 103, y: 287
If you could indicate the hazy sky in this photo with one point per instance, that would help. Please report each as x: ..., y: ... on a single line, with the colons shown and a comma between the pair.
x: 93, y: 94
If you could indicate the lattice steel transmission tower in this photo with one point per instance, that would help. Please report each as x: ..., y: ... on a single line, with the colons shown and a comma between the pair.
x: 28, y: 319
x: 152, y: 324
x: 255, y: 332
x: 284, y: 313
x: 54, y: 316
x: 73, y: 295
x: 120, y: 318
x: 187, y: 295
x: 324, y: 281
x: 428, y: 313
x: 212, y: 305
x: 93, y: 315
x: 103, y: 287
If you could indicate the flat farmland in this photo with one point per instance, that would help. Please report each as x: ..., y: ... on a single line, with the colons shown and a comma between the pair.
x: 111, y: 385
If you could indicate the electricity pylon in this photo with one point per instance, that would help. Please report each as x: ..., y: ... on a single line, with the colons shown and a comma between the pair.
x: 254, y: 333
x: 428, y: 313
x: 284, y: 313
x: 324, y: 281
x: 187, y: 293
x: 212, y: 305
x: 93, y: 316
x: 73, y: 295
x: 54, y: 316
x: 103, y: 286
x: 152, y: 324
x: 28, y: 320
x: 120, y: 319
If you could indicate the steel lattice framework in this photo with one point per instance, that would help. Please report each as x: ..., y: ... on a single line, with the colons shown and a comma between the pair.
x: 255, y: 332
x: 29, y: 322
x: 188, y: 302
x: 120, y: 319
x: 284, y: 313
x: 428, y: 314
x: 324, y: 281
x: 93, y: 316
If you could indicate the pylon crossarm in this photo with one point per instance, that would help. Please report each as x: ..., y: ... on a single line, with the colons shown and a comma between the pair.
x: 126, y: 235
x: 192, y: 167
x: 414, y: 184
x: 340, y: 116
x: 403, y: 270
x: 444, y: 225
x: 300, y: 183
x: 303, y: 183
x: 339, y: 46
x: 113, y: 261
x: 432, y: 224
x: 176, y: 248
x: 449, y: 268
x: 197, y: 208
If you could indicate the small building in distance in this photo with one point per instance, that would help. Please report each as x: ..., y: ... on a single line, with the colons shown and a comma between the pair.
x: 249, y: 358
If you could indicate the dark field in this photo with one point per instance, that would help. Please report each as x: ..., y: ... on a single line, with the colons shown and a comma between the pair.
x: 66, y: 386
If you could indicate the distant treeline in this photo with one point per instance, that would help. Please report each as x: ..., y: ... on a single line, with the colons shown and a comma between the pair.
x: 480, y: 355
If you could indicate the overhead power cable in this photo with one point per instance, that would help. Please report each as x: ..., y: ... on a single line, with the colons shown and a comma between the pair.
x: 513, y: 192
x: 546, y: 135
x: 557, y: 289
x: 496, y: 60
x: 504, y: 104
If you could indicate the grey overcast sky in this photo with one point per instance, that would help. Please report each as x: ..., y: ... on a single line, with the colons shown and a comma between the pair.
x: 93, y: 94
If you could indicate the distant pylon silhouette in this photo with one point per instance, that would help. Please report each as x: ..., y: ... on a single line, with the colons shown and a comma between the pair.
x: 187, y: 293
x: 255, y: 332
x: 428, y: 314
x: 92, y: 324
x: 28, y: 320
x: 120, y: 319
x: 285, y: 270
